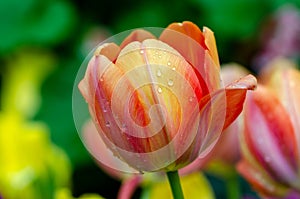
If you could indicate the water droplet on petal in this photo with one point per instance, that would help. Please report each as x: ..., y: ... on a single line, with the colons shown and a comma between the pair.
x: 159, y: 90
x: 173, y: 68
x: 191, y: 98
x: 169, y: 63
x: 142, y: 51
x: 170, y: 82
x: 124, y: 127
x: 101, y: 79
x: 158, y: 73
x: 107, y: 124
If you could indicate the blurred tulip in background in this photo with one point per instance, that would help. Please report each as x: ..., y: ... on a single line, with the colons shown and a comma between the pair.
x: 270, y: 141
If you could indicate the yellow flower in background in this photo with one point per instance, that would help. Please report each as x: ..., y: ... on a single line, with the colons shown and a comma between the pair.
x: 22, y: 80
x: 31, y: 166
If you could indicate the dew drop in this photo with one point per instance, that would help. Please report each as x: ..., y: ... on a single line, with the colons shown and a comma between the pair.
x: 170, y: 82
x: 169, y: 63
x: 181, y: 136
x: 142, y: 51
x: 124, y: 127
x: 101, y: 79
x: 159, y: 90
x: 104, y: 110
x: 191, y: 98
x: 158, y: 73
x: 107, y: 124
x: 173, y: 68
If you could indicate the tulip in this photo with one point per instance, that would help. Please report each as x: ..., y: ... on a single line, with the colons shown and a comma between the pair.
x: 158, y: 103
x: 271, y: 138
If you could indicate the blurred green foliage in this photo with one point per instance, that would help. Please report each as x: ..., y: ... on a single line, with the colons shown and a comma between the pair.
x: 33, y: 22
x: 56, y: 35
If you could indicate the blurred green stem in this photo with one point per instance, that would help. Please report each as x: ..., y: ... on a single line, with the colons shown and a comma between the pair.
x: 233, y: 188
x: 174, y: 181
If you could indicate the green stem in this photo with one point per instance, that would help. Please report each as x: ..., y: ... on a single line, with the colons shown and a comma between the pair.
x: 174, y: 181
x: 233, y: 188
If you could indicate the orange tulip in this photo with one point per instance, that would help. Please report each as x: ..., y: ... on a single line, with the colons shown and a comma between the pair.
x: 271, y: 139
x: 158, y: 103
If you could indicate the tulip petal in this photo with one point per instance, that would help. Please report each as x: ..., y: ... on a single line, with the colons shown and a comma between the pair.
x: 189, y: 41
x: 205, y: 39
x: 284, y: 80
x: 210, y: 42
x: 95, y: 89
x: 235, y: 97
x: 291, y: 100
x: 129, y: 186
x: 95, y: 69
x: 260, y: 180
x: 188, y: 28
x: 231, y: 100
x: 104, y: 156
x: 109, y: 50
x: 273, y: 144
x: 137, y: 35
x: 218, y: 111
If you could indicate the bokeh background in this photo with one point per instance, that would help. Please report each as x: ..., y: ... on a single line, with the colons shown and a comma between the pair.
x: 42, y: 45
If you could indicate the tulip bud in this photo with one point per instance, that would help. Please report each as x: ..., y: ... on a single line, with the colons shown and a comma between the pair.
x: 270, y: 141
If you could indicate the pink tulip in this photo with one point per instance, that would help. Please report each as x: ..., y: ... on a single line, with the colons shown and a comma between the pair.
x: 271, y: 139
x: 158, y: 103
